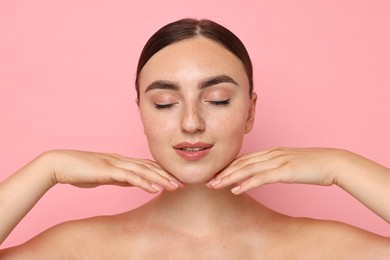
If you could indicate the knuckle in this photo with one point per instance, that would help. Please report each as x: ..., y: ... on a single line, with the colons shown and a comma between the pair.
x: 227, y: 178
x: 256, y: 180
x: 133, y: 177
x: 241, y: 163
x: 277, y: 151
x: 114, y: 155
x: 141, y: 169
x: 251, y: 168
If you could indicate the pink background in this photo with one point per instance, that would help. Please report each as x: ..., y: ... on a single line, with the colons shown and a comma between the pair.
x: 67, y: 69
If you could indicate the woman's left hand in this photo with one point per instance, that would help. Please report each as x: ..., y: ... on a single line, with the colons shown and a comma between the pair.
x: 286, y: 165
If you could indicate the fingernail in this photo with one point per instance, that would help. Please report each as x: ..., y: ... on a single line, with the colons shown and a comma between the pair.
x: 174, y: 184
x: 236, y: 189
x: 156, y: 187
x: 210, y: 181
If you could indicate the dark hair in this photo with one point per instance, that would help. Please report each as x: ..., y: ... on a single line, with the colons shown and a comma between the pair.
x: 190, y: 28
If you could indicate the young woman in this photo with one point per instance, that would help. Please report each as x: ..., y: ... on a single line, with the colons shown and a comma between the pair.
x: 195, y: 96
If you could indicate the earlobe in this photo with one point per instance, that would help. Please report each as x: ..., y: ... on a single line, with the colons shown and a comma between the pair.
x: 251, y: 113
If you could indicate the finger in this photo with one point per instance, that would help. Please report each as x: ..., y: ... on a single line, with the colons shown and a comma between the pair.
x: 148, y: 162
x: 150, y: 172
x: 229, y: 170
x: 245, y: 160
x: 133, y: 164
x: 240, y: 173
x: 261, y: 155
x: 125, y: 176
x: 154, y: 166
x: 126, y: 162
x: 156, y: 177
x: 271, y: 176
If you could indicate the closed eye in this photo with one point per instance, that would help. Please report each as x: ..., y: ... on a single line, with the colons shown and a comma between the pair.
x: 163, y: 106
x: 220, y: 102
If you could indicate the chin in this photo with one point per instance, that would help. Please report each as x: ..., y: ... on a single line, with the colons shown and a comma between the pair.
x: 193, y: 172
x: 193, y: 179
x: 192, y: 176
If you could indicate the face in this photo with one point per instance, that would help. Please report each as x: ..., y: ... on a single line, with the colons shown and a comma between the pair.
x: 195, y: 107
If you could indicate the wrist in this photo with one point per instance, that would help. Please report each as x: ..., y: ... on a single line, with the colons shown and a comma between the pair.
x: 343, y: 167
x: 45, y: 164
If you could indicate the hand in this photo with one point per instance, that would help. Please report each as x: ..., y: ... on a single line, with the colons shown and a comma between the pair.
x: 88, y: 169
x: 286, y: 165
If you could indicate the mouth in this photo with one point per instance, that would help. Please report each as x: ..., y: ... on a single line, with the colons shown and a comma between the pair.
x: 193, y: 151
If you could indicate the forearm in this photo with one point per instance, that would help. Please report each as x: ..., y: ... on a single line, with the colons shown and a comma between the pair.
x: 368, y: 182
x: 20, y: 192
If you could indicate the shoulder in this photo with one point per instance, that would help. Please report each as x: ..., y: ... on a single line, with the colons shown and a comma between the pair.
x: 337, y: 240
x: 66, y: 240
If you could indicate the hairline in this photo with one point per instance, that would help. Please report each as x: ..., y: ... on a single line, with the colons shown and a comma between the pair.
x: 235, y: 46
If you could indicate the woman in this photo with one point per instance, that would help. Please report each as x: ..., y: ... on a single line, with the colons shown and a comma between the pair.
x: 195, y: 95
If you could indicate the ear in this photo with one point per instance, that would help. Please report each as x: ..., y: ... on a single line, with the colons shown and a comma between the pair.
x: 251, y: 113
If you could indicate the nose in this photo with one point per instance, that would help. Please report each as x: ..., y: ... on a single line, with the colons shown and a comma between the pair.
x: 192, y: 120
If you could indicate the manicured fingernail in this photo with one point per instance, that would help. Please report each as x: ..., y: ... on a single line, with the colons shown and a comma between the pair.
x: 174, y: 184
x: 208, y: 184
x: 156, y: 187
x: 236, y: 189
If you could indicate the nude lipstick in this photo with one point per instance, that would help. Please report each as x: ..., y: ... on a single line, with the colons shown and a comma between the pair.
x: 192, y: 151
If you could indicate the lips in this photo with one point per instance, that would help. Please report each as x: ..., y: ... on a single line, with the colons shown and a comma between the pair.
x: 192, y: 151
x: 195, y: 149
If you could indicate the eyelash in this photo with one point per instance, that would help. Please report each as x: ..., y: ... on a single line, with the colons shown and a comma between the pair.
x: 217, y: 103
x: 163, y: 106
x: 220, y: 102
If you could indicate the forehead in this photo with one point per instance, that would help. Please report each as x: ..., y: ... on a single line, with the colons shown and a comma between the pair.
x: 192, y: 60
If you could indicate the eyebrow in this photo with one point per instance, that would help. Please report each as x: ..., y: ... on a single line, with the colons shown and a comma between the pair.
x: 170, y: 85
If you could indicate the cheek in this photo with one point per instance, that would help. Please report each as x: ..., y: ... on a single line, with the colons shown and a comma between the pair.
x: 154, y: 129
x: 229, y: 132
x: 157, y: 128
x: 229, y: 126
x: 148, y: 122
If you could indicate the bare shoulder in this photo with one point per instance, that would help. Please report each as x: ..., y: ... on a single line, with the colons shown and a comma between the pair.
x: 66, y: 240
x: 337, y: 240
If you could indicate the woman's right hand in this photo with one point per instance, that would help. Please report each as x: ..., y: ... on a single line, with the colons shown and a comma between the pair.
x: 22, y: 190
x: 90, y: 169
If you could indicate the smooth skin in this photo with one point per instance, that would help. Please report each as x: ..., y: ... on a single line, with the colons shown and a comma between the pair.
x: 362, y: 178
x: 202, y: 207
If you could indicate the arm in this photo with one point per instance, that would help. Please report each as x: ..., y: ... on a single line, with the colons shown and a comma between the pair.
x: 366, y: 180
x: 20, y: 192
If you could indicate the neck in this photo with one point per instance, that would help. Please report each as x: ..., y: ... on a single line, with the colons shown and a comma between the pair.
x: 199, y: 206
x: 198, y: 196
